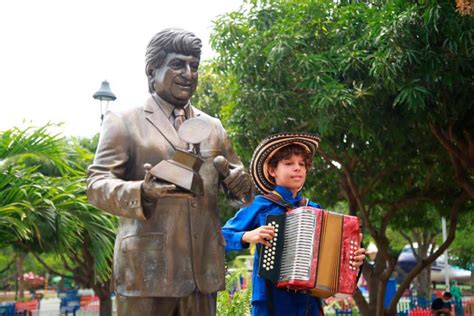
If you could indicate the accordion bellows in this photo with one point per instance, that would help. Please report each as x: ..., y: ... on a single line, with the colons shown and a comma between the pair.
x: 311, y: 251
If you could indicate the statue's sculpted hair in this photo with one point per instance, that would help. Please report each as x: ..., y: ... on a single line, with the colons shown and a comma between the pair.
x: 170, y: 40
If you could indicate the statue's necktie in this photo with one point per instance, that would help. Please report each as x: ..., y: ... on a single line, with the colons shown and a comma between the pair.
x: 179, y: 117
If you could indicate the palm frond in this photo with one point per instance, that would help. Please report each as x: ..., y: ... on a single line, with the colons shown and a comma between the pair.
x: 34, y: 142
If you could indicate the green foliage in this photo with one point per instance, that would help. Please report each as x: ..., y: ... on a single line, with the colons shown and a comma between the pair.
x: 16, y: 145
x: 462, y: 250
x: 45, y: 210
x: 84, y: 151
x: 234, y: 301
x: 372, y: 79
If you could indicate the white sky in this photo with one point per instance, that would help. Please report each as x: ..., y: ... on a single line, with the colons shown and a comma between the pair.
x: 55, y: 53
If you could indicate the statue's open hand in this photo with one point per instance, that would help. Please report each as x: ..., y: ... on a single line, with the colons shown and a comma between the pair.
x: 153, y: 189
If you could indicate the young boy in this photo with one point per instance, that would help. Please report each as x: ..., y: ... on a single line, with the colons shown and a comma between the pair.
x: 279, y: 166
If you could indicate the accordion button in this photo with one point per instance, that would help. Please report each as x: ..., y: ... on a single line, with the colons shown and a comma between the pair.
x: 271, y: 267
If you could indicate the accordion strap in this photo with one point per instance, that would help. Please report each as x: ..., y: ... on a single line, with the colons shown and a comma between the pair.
x: 271, y: 307
x: 276, y: 198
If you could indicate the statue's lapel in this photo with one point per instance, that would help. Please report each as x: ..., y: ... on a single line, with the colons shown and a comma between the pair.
x: 158, y: 119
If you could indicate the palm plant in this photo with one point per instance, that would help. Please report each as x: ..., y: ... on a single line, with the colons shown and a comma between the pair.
x: 18, y: 191
x: 21, y: 197
x: 43, y: 207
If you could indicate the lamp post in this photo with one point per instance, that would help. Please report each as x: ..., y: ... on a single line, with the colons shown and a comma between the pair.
x: 104, y: 94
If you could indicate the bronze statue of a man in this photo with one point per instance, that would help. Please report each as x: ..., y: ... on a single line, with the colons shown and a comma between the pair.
x: 169, y: 251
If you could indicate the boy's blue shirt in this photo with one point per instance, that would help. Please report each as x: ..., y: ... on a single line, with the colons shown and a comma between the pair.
x: 251, y: 217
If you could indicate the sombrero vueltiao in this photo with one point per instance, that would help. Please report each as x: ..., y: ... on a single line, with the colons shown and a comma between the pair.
x: 268, y: 147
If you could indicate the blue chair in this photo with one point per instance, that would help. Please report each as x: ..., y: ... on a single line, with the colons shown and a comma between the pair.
x: 7, y: 309
x: 70, y: 304
x: 10, y: 311
x: 63, y: 293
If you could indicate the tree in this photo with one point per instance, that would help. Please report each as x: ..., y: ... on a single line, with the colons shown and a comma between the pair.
x: 15, y: 146
x: 365, y: 76
x: 462, y: 249
x: 46, y: 211
x: 83, y: 236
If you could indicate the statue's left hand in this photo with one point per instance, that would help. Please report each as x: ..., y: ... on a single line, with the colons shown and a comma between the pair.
x: 238, y: 182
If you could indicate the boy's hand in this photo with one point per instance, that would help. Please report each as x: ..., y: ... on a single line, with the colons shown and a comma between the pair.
x: 260, y: 235
x: 358, y: 257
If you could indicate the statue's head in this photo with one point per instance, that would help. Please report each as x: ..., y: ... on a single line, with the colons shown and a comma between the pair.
x: 172, y: 61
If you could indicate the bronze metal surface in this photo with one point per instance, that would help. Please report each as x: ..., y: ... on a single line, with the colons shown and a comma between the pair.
x: 169, y: 246
x: 182, y: 170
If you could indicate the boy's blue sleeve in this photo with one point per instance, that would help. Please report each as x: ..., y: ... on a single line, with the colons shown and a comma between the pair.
x: 314, y: 204
x: 245, y: 219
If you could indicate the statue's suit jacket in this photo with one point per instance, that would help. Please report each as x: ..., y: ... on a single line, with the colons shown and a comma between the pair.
x: 173, y: 246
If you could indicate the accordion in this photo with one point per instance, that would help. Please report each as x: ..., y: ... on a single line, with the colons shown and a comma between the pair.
x: 311, y: 251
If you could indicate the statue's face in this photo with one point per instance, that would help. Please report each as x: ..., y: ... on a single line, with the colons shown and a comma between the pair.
x: 176, y: 79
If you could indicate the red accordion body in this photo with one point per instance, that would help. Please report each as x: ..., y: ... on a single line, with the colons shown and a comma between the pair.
x: 312, y: 250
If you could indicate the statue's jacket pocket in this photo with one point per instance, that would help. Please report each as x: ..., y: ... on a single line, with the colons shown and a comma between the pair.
x: 151, y: 241
x: 142, y: 261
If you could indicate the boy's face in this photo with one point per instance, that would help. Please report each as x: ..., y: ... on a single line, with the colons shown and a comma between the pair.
x: 290, y: 173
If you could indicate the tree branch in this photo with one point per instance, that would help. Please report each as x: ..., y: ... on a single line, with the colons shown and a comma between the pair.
x: 448, y: 143
x: 410, y: 241
x: 373, y: 181
x: 458, y: 203
x: 9, y: 265
x: 65, y: 263
x: 44, y: 264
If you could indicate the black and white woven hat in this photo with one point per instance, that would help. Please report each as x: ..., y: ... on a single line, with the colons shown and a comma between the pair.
x: 268, y: 147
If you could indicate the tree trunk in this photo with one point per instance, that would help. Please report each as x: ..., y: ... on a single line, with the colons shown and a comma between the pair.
x: 424, y: 283
x: 103, y: 291
x: 376, y: 283
x: 423, y: 280
x: 105, y: 306
x: 20, y: 260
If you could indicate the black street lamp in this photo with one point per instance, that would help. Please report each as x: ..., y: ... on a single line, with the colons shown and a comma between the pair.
x: 104, y: 94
